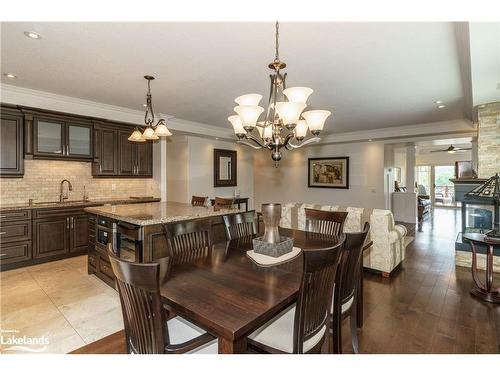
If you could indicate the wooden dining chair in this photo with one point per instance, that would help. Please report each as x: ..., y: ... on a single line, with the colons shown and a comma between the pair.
x: 222, y: 203
x: 189, y: 240
x: 346, y: 291
x: 302, y: 328
x: 147, y: 330
x: 198, y: 201
x: 240, y: 224
x: 326, y: 222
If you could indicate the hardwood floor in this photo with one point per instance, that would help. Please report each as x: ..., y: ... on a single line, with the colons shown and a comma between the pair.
x: 426, y: 306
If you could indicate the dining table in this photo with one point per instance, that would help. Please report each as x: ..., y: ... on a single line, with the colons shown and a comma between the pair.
x: 229, y: 295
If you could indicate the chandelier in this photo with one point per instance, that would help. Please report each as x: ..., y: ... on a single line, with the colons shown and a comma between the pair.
x: 150, y: 132
x: 285, y: 124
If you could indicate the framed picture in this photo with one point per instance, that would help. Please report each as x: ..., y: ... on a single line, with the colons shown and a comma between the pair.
x: 329, y: 173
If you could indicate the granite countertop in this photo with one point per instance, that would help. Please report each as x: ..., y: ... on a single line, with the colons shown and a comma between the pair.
x: 81, y: 203
x: 157, y: 212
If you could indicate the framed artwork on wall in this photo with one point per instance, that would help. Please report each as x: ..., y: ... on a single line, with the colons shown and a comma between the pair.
x: 225, y: 168
x: 328, y: 172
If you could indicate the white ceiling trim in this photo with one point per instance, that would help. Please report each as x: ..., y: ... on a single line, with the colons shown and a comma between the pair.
x: 41, y: 99
x: 54, y: 102
x: 457, y: 126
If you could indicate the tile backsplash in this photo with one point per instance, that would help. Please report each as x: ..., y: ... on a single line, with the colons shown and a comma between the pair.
x: 42, y: 178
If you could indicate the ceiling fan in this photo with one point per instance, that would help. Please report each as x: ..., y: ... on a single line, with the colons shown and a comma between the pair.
x: 452, y: 149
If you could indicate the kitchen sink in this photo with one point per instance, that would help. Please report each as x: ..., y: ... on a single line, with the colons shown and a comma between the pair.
x: 57, y: 202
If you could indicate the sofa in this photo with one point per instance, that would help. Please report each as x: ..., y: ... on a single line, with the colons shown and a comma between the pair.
x: 388, y: 249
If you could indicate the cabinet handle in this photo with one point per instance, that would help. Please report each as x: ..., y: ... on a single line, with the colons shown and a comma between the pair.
x: 72, y: 222
x: 67, y: 223
x: 2, y: 255
x: 100, y: 167
x: 2, y: 216
x: 2, y: 233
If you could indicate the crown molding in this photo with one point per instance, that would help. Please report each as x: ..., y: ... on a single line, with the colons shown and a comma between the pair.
x: 46, y: 100
x: 397, y: 133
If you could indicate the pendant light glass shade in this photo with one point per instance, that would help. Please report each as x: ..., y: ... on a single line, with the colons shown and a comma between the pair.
x: 249, y: 99
x: 298, y: 94
x: 237, y: 125
x: 301, y: 130
x: 316, y: 119
x: 289, y: 112
x: 248, y: 115
x: 161, y: 130
x: 136, y: 136
x: 149, y: 134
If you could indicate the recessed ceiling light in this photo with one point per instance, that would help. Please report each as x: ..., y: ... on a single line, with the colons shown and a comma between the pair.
x: 32, y: 35
x: 216, y: 138
x: 10, y: 75
x: 370, y: 140
x: 441, y: 106
x: 144, y: 105
x: 438, y: 102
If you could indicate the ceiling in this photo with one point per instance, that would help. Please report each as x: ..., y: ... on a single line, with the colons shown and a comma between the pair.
x: 370, y: 75
x: 441, y: 144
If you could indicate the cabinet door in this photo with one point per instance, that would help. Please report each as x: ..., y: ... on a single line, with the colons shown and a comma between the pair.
x: 144, y: 159
x: 11, y: 145
x: 126, y: 154
x: 51, y: 236
x: 78, y: 140
x: 79, y: 236
x: 108, y: 162
x: 48, y: 137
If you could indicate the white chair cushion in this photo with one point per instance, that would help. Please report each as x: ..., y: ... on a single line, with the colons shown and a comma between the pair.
x: 278, y: 333
x: 180, y: 330
x: 345, y: 306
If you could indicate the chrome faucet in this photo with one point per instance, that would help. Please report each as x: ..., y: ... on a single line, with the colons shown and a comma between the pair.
x: 63, y: 196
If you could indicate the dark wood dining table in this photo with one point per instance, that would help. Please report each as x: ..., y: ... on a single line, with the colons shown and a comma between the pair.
x: 229, y: 295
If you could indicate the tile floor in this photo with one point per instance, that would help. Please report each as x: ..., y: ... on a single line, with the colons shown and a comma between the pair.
x: 60, y: 301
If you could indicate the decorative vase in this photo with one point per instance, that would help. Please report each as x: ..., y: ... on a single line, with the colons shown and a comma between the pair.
x: 271, y: 214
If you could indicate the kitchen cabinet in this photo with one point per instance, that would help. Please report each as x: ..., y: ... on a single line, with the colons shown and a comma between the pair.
x: 60, y: 231
x: 116, y: 156
x: 11, y: 143
x: 56, y: 136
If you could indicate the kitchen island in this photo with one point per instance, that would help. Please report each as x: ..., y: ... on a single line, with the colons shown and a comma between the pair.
x: 137, y: 232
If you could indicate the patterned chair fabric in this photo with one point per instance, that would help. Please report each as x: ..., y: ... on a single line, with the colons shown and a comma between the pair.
x: 388, y: 249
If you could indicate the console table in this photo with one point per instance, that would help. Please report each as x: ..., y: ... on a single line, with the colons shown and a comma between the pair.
x: 486, y: 292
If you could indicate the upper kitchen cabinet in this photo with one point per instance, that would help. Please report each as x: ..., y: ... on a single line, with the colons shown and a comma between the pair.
x: 54, y: 136
x: 116, y: 156
x: 11, y: 143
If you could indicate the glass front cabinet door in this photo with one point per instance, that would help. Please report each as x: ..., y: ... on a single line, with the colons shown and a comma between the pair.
x: 79, y: 137
x: 57, y: 138
x: 49, y: 137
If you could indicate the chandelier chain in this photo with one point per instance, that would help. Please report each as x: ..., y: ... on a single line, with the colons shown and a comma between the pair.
x: 277, y: 40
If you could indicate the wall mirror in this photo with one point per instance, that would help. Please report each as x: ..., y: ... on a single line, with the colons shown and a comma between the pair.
x: 224, y: 168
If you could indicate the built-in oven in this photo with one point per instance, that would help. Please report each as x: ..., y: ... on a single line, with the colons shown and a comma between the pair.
x: 128, y: 241
x: 104, y: 233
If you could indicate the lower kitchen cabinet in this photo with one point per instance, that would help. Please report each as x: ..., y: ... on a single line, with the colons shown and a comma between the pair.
x: 15, y: 253
x: 51, y: 237
x: 79, y: 226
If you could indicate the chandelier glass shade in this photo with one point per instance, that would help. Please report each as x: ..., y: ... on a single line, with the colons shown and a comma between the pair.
x: 150, y: 131
x: 285, y: 124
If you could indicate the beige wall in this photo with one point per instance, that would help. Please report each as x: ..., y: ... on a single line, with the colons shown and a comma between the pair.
x: 42, y: 177
x: 442, y: 158
x: 488, y: 141
x: 191, y: 173
x: 288, y: 183
x: 177, y: 169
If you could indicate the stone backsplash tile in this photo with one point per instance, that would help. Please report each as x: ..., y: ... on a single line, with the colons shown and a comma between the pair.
x: 42, y: 177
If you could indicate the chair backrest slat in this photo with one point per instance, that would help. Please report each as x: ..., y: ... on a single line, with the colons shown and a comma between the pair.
x: 240, y: 225
x: 316, y: 290
x: 349, y: 266
x: 327, y: 222
x: 190, y: 240
x: 138, y: 285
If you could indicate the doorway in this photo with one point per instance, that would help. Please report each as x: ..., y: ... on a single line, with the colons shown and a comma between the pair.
x: 434, y: 181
